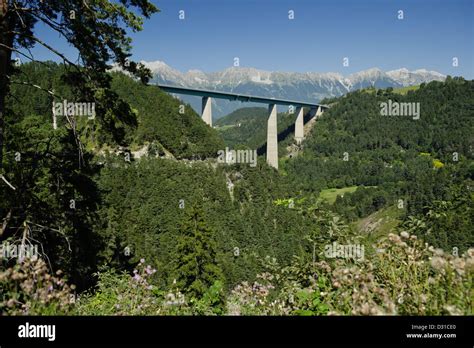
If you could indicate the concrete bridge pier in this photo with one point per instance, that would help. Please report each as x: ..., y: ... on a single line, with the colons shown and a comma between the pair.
x: 299, y: 125
x: 272, y: 137
x: 316, y: 112
x: 207, y: 110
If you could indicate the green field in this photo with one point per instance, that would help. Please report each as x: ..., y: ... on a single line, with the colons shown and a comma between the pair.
x: 330, y: 195
x: 404, y: 90
x: 224, y: 127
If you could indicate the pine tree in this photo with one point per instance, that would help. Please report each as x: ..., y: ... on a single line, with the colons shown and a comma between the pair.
x: 196, y: 267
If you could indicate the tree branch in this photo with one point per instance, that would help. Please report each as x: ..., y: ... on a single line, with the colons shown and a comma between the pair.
x: 6, y: 181
x: 5, y: 222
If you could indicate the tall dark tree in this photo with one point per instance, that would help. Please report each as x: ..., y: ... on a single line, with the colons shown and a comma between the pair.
x: 196, y: 255
x: 49, y: 193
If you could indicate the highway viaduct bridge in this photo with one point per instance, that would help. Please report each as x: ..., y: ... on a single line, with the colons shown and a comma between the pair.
x: 272, y: 134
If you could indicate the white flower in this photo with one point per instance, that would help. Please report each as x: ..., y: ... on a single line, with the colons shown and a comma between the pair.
x: 438, y: 263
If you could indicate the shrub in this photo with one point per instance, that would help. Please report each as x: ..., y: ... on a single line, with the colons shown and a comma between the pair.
x: 402, y: 276
x: 29, y: 289
x: 123, y: 294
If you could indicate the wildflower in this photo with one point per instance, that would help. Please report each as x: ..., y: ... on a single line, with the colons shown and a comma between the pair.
x: 10, y: 303
x: 469, y: 264
x: 470, y: 252
x: 452, y: 310
x: 394, y: 238
x: 438, y: 263
x: 142, y: 260
x: 459, y: 265
x: 391, y: 308
x: 405, y: 234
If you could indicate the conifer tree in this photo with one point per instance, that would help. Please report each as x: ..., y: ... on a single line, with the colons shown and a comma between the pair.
x: 196, y: 253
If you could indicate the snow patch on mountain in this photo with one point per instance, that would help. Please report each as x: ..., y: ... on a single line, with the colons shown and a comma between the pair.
x: 410, y: 78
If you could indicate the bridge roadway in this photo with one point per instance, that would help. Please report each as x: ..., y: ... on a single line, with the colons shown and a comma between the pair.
x: 272, y: 133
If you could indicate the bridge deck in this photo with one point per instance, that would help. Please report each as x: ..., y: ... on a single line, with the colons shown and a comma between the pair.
x: 235, y: 96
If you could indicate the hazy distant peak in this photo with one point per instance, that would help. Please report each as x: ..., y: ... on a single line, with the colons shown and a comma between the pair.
x: 155, y: 65
x: 431, y: 72
x: 409, y: 78
x: 401, y: 70
x: 372, y: 72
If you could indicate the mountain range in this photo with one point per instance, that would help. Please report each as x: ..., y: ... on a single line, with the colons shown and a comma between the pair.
x: 310, y: 86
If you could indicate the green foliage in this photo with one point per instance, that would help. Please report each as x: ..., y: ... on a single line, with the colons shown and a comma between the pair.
x: 405, y: 277
x: 212, y: 301
x: 247, y: 128
x: 121, y: 294
x: 312, y: 303
x: 184, y: 135
x: 446, y: 224
x: 53, y: 197
x: 196, y: 251
x: 400, y: 276
x: 385, y: 152
x: 148, y: 221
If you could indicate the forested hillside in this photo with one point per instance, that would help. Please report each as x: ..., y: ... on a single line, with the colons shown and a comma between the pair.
x: 247, y: 128
x: 244, y: 127
x: 166, y: 121
x: 159, y: 118
x: 423, y: 165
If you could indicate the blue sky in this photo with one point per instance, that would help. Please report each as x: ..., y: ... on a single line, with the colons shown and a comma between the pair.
x: 322, y: 33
